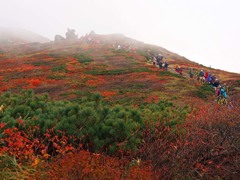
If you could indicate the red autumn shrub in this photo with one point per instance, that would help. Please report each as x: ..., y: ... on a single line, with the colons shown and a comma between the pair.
x: 27, y: 146
x: 211, y: 147
x: 95, y: 82
x: 15, y: 143
x: 107, y: 94
x: 35, y: 82
x: 205, y: 146
x: 84, y: 165
x: 159, y: 148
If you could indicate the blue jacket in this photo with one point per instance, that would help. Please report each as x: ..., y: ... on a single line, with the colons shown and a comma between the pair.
x: 223, y: 92
x: 209, y: 78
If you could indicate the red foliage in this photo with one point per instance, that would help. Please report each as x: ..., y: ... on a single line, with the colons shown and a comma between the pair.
x: 18, y: 82
x: 15, y: 143
x: 28, y: 146
x: 205, y: 146
x: 95, y: 81
x: 35, y: 82
x: 4, y: 86
x: 108, y: 93
x: 84, y: 165
x: 212, y: 144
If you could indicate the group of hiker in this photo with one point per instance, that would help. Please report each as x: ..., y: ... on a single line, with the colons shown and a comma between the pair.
x: 158, y: 61
x: 209, y: 78
x: 202, y: 77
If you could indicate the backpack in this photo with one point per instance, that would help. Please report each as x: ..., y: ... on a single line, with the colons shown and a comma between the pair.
x: 223, y: 92
x: 201, y: 74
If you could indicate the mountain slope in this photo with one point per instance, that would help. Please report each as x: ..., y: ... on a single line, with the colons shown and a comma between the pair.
x: 105, y: 98
x: 70, y: 69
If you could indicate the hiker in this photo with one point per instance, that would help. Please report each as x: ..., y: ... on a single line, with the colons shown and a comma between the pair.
x: 163, y: 65
x: 217, y: 90
x: 225, y: 87
x: 149, y: 59
x: 159, y: 57
x: 216, y: 83
x: 222, y: 95
x: 179, y: 70
x: 154, y: 60
x: 176, y: 67
x: 190, y: 73
x: 223, y: 92
x: 209, y: 78
x: 166, y: 65
x: 206, y: 76
x: 213, y: 78
x: 197, y: 73
x: 160, y: 64
x: 157, y: 60
x: 201, y: 76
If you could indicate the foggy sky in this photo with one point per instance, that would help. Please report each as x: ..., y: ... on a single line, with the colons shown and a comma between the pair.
x: 204, y: 31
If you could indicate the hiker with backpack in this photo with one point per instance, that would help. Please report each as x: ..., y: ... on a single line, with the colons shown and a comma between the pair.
x: 213, y: 79
x: 222, y: 95
x: 166, y: 65
x: 216, y: 83
x: 201, y: 76
x: 160, y: 64
x: 209, y: 78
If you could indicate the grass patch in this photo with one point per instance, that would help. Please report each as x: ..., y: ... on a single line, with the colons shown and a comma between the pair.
x: 59, y: 68
x: 118, y: 51
x: 142, y: 69
x: 108, y: 72
x: 142, y: 52
x: 83, y: 58
x: 56, y: 77
x: 117, y: 71
x: 54, y: 55
x: 139, y: 85
x: 125, y: 101
x: 41, y: 63
x: 204, y: 91
x: 168, y: 73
